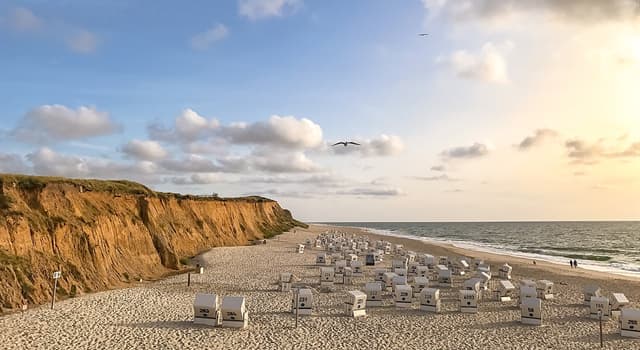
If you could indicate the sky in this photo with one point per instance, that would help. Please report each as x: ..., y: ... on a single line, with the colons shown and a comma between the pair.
x: 506, y: 110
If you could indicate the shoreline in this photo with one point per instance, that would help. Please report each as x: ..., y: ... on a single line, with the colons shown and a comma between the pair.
x: 471, y: 250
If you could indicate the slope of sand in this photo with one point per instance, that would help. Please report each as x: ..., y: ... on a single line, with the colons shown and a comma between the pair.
x: 158, y: 315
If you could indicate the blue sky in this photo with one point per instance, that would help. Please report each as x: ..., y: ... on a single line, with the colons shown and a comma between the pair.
x: 84, y: 83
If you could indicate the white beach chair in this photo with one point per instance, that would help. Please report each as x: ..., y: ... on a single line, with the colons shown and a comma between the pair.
x: 403, y: 296
x: 430, y: 300
x: 374, y: 293
x: 531, y: 311
x: 327, y: 276
x: 618, y: 301
x: 505, y: 290
x: 420, y: 283
x: 630, y: 323
x: 505, y: 272
x: 234, y: 312
x: 356, y: 303
x: 591, y: 291
x: 305, y: 301
x: 206, y: 310
x: 545, y: 289
x: 285, y: 281
x: 468, y: 301
x: 599, y: 306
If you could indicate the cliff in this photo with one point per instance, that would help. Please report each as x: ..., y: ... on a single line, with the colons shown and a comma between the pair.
x: 105, y: 234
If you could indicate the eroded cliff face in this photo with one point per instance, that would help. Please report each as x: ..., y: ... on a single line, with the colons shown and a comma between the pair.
x: 104, y: 234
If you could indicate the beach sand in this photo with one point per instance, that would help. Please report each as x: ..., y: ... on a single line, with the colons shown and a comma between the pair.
x: 159, y: 315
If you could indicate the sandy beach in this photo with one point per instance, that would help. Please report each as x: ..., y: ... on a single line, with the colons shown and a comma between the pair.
x: 159, y: 315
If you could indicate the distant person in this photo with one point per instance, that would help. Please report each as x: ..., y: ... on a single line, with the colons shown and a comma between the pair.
x: 534, y: 262
x: 571, y: 263
x: 575, y: 264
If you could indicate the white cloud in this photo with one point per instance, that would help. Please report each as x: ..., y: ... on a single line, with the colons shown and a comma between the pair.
x: 48, y: 162
x: 58, y: 122
x: 191, y: 163
x: 204, y: 40
x: 83, y: 41
x: 488, y: 65
x: 274, y: 192
x: 189, y: 127
x: 476, y: 150
x: 197, y: 179
x: 280, y: 131
x: 12, y: 163
x: 372, y: 192
x: 443, y: 177
x: 278, y: 162
x: 23, y: 20
x: 383, y: 145
x: 257, y: 9
x: 145, y: 150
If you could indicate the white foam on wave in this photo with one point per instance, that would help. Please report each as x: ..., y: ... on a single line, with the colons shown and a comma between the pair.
x: 623, y: 269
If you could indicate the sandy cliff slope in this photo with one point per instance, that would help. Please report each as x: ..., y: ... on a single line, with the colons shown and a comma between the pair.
x: 104, y: 234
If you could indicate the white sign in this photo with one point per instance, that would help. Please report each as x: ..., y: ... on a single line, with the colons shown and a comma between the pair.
x: 57, y: 274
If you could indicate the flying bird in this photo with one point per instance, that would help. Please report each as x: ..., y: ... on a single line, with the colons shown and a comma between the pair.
x: 345, y: 143
x: 423, y: 34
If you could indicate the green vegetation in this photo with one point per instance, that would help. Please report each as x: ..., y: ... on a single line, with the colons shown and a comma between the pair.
x: 5, y: 202
x: 116, y: 187
x: 184, y: 261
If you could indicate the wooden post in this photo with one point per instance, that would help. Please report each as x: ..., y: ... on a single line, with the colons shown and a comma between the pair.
x: 297, y: 298
x: 600, y: 317
x: 188, y: 279
x: 53, y: 297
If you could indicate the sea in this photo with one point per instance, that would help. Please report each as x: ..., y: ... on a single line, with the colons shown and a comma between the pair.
x: 608, y: 246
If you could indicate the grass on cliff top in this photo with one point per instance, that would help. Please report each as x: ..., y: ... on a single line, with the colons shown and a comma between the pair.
x: 28, y: 182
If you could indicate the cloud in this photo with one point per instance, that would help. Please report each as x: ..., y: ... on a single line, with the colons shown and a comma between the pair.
x: 23, y: 20
x: 280, y: 193
x: 58, y: 122
x: 197, y: 179
x: 438, y: 168
x: 145, y: 150
x: 582, y: 152
x: 383, y: 145
x: 321, y: 180
x: 287, y: 131
x: 573, y: 10
x: 83, y: 41
x: 538, y: 137
x: 12, y: 163
x: 189, y: 126
x: 191, y: 164
x: 488, y: 65
x: 372, y: 192
x: 206, y: 39
x: 48, y: 162
x: 258, y: 9
x: 476, y: 150
x: 276, y: 162
x: 443, y: 177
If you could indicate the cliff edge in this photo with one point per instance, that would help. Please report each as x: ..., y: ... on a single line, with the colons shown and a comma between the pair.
x: 105, y: 234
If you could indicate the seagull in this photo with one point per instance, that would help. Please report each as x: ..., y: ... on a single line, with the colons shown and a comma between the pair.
x: 423, y: 34
x: 345, y: 143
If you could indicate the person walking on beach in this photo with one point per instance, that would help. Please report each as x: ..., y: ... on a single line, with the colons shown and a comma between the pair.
x: 571, y: 263
x: 575, y: 264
